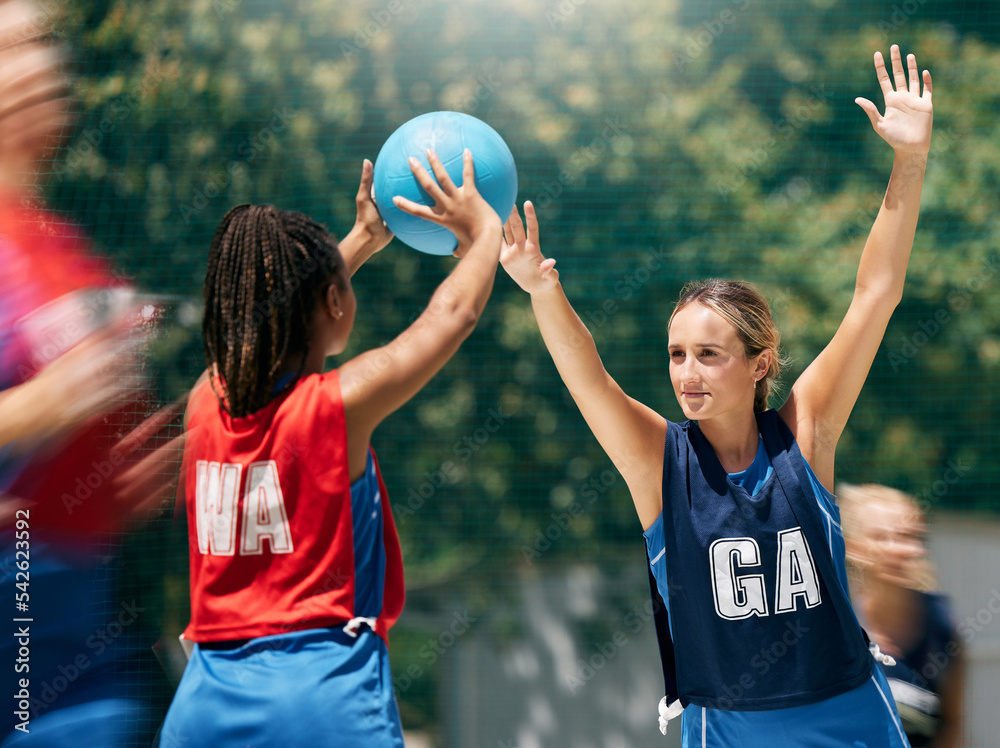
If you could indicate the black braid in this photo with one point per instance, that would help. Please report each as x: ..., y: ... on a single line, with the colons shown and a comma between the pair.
x: 266, y: 271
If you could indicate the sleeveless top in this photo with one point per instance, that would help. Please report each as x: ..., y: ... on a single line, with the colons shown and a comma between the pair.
x: 279, y: 539
x: 752, y: 610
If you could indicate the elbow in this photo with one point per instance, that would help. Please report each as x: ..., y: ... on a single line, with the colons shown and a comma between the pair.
x: 459, y: 319
x: 887, y: 296
x: 455, y: 311
x: 467, y: 317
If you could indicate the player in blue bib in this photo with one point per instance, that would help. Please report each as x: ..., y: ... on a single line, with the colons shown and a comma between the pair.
x: 760, y: 645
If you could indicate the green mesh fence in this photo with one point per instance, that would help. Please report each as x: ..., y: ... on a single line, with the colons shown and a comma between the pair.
x: 661, y: 141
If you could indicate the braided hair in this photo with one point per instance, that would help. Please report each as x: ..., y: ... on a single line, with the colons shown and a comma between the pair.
x: 266, y: 271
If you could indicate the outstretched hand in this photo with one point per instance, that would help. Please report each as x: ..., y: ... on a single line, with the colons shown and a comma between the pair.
x: 906, y: 124
x: 369, y: 223
x: 461, y: 210
x: 369, y: 233
x: 521, y: 254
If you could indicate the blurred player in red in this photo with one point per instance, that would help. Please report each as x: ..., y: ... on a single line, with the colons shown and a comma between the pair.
x: 68, y: 396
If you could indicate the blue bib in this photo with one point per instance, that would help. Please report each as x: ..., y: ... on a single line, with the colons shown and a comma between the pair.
x: 757, y: 618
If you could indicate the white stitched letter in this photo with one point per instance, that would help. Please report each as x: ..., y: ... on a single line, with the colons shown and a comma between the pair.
x: 264, y: 514
x: 796, y: 572
x: 741, y: 596
x: 216, y: 488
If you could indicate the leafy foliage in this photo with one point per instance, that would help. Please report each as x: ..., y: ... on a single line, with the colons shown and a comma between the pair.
x: 660, y: 141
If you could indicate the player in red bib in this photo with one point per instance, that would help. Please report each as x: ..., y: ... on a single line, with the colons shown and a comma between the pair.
x: 296, y: 570
x: 68, y: 396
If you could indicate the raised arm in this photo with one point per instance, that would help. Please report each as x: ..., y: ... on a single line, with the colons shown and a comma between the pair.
x: 822, y: 399
x: 379, y: 381
x: 369, y: 233
x: 631, y: 433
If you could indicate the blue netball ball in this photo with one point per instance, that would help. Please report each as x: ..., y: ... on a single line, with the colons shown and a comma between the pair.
x: 447, y: 133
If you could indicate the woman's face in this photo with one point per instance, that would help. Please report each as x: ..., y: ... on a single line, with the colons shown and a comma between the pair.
x: 709, y: 368
x: 893, y: 542
x: 33, y: 107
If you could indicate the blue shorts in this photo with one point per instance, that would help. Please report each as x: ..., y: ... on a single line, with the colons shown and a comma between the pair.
x: 863, y: 718
x: 317, y: 687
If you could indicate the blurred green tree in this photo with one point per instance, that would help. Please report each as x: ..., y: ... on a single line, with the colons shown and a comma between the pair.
x: 661, y: 141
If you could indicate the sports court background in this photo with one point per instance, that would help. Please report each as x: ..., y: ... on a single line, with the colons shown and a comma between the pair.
x: 661, y: 141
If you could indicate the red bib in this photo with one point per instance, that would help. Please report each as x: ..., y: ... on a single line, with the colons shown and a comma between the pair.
x: 270, y: 530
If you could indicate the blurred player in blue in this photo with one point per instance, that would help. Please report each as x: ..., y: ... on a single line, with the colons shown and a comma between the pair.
x: 895, y: 594
x: 761, y: 647
x: 71, y: 659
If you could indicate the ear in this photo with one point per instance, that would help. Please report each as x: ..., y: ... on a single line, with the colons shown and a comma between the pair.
x: 332, y: 301
x: 763, y: 365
